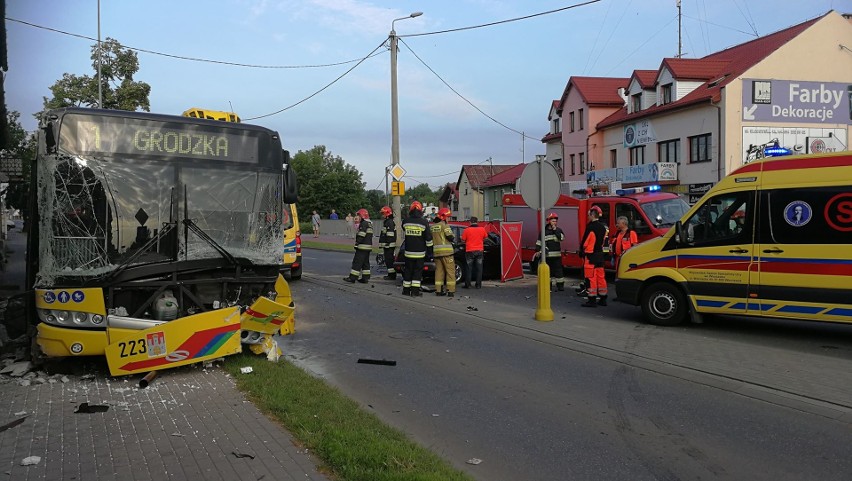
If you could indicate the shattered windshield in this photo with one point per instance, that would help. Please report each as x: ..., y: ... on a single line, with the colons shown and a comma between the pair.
x: 96, y: 214
x: 665, y: 212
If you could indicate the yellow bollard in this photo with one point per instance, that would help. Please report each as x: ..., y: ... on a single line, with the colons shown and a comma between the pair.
x: 543, y: 312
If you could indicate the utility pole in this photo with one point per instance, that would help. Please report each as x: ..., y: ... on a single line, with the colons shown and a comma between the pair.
x: 100, y: 53
x: 679, y: 44
x: 397, y: 204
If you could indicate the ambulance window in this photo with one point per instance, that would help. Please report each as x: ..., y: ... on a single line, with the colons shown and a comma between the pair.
x: 819, y: 215
x: 722, y: 220
x: 634, y: 219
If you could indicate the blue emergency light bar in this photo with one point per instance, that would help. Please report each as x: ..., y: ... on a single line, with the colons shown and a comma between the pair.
x: 776, y: 151
x: 638, y: 190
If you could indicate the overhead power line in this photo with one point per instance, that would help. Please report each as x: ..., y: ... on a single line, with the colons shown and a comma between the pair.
x: 569, y: 7
x: 369, y: 55
x: 754, y: 34
x: 191, y: 59
x: 463, y: 97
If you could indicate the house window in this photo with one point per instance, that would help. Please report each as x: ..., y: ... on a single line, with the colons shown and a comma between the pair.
x: 580, y: 118
x: 613, y: 158
x: 666, y: 93
x: 556, y: 128
x: 465, y: 188
x: 582, y: 162
x: 669, y: 151
x: 699, y: 148
x: 571, y: 121
x: 637, y: 155
x: 573, y: 168
x: 636, y: 102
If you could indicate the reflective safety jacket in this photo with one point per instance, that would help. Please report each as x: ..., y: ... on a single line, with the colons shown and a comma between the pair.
x: 623, y: 241
x: 552, y: 239
x: 387, y: 237
x: 364, y: 238
x: 418, y: 236
x: 442, y: 237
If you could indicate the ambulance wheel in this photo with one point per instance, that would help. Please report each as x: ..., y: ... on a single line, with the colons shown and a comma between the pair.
x: 664, y: 304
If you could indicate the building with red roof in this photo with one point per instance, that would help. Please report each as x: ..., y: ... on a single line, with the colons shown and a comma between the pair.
x: 584, y: 102
x: 471, y: 198
x: 692, y: 121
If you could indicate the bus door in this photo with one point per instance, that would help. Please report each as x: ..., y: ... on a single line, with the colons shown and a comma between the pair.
x: 718, y: 260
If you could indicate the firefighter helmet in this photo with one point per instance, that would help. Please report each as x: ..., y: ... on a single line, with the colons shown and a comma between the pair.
x: 386, y: 211
x: 551, y: 216
x: 416, y: 205
x: 444, y: 213
x: 597, y: 210
x: 362, y: 213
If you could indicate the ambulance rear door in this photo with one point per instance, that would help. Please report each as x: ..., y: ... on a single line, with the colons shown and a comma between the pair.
x: 804, y: 252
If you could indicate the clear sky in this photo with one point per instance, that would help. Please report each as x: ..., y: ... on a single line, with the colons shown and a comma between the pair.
x: 510, y: 71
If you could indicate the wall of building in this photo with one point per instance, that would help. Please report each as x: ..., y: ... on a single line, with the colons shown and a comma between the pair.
x: 814, y: 56
x: 470, y: 200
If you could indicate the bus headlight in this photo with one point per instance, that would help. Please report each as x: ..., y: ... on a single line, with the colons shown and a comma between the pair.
x: 79, y: 317
x: 71, y: 318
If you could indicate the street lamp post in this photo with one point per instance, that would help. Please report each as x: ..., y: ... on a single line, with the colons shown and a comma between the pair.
x: 397, y: 204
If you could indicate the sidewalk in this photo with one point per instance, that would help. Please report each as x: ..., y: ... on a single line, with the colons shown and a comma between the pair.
x: 190, y: 423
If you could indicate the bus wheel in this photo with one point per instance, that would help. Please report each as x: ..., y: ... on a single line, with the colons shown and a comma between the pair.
x: 664, y: 304
x: 459, y: 273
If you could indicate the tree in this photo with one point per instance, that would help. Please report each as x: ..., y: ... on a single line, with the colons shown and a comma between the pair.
x: 376, y: 200
x: 22, y: 145
x: 119, y: 90
x: 422, y: 193
x: 326, y: 182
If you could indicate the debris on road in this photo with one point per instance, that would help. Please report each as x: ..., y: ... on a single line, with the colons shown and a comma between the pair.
x: 86, y: 408
x: 12, y: 424
x: 246, y: 370
x: 471, y: 308
x: 148, y: 379
x: 242, y: 455
x: 31, y: 460
x: 474, y: 461
x: 380, y: 362
x: 17, y: 369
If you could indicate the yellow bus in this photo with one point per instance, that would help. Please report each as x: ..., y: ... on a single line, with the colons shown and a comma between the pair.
x: 157, y: 239
x: 197, y: 113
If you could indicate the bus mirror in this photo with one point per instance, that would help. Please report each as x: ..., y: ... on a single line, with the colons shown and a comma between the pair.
x: 291, y: 185
x: 50, y: 137
x: 679, y: 234
x: 285, y: 156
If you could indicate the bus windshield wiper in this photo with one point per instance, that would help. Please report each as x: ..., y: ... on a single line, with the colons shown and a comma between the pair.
x: 191, y: 225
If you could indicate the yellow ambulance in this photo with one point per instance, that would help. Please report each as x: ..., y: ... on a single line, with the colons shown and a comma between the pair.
x: 772, y: 239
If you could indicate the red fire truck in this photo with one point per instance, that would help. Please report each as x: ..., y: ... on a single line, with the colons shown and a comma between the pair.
x: 649, y: 212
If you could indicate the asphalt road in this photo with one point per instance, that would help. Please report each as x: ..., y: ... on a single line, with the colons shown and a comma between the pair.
x: 533, y: 404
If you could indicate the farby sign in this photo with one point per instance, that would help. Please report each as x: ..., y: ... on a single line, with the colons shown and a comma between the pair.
x: 797, y: 101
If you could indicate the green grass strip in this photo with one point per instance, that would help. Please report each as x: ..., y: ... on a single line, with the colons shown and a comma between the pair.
x: 330, y: 246
x: 354, y: 444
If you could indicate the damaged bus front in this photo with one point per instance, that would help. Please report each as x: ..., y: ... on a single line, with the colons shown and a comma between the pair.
x: 156, y: 240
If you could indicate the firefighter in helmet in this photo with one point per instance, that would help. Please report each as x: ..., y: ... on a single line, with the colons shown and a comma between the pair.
x: 418, y: 240
x: 553, y: 237
x: 387, y: 241
x: 363, y: 245
x: 445, y: 264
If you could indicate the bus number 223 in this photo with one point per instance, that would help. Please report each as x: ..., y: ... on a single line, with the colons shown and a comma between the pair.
x: 133, y: 347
